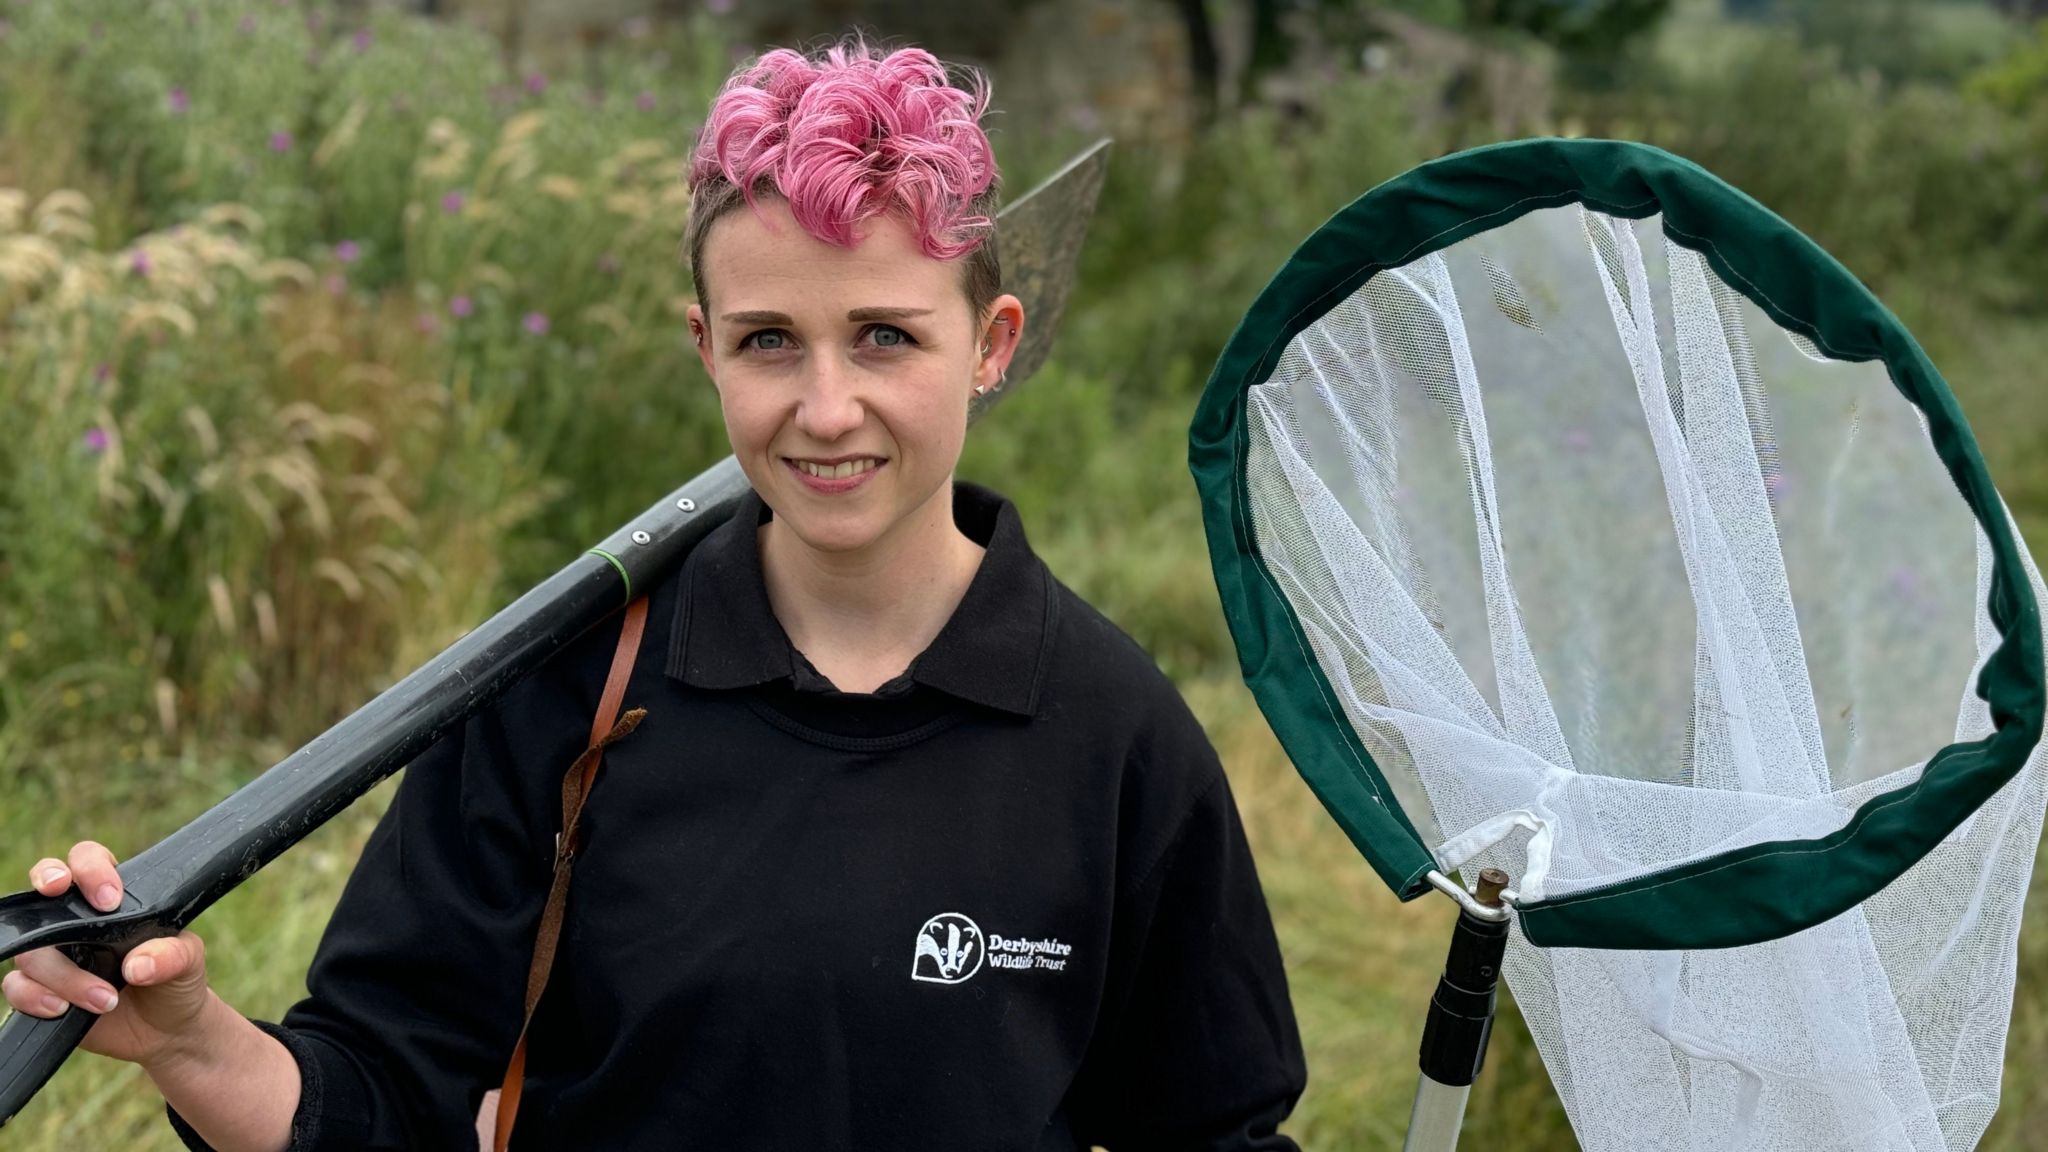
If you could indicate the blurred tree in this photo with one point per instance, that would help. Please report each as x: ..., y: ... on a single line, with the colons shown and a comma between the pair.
x: 1587, y: 29
x: 2020, y: 80
x: 1271, y: 47
x: 1205, y: 63
x: 1903, y: 40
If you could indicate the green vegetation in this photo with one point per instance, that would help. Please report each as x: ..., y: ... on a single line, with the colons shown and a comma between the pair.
x: 318, y: 344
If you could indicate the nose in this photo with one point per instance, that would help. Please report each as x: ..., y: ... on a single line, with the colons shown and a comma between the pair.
x: 829, y: 405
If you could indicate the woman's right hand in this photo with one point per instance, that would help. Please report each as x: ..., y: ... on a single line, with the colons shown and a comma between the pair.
x: 157, y: 1017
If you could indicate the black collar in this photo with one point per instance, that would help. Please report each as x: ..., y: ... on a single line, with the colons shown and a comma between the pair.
x: 993, y: 651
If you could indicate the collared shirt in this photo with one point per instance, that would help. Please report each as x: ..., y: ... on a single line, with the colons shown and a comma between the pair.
x: 1002, y: 902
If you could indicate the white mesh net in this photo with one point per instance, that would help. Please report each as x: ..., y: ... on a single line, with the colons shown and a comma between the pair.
x: 1613, y: 573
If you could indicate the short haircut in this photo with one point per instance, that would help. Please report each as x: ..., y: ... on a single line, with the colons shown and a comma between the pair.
x: 847, y: 134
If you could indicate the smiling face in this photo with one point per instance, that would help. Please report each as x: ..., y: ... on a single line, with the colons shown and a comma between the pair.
x: 844, y: 373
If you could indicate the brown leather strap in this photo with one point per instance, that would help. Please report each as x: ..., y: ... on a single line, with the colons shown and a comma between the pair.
x: 605, y: 730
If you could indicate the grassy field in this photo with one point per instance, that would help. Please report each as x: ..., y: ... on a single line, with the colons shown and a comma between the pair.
x: 320, y: 342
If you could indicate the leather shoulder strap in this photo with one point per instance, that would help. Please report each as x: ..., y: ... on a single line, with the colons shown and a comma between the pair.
x: 607, y: 728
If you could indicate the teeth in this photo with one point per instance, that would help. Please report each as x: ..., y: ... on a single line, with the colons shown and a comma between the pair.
x: 837, y: 471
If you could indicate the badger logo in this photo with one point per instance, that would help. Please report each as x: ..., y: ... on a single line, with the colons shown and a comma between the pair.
x: 949, y: 949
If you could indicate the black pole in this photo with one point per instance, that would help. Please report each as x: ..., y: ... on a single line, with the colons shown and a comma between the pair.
x: 167, y: 886
x: 1460, y: 1018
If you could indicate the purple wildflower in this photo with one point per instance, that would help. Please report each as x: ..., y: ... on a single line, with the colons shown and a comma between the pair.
x: 361, y: 40
x: 536, y: 83
x: 336, y: 283
x: 140, y: 264
x: 428, y: 323
x: 96, y: 440
x: 452, y: 201
x: 461, y: 306
x: 246, y: 25
x: 348, y: 251
x: 645, y: 102
x: 179, y: 102
x: 608, y: 264
x: 280, y: 141
x: 536, y: 323
x: 101, y: 372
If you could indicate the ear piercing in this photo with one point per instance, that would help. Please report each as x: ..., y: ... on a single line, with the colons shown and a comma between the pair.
x: 985, y: 344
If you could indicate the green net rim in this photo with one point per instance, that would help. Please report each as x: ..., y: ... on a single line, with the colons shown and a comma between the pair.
x: 1745, y: 896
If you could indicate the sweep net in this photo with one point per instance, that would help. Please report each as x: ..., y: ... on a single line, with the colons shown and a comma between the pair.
x: 1611, y: 573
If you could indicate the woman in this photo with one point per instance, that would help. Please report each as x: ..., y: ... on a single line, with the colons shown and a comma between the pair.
x: 913, y: 848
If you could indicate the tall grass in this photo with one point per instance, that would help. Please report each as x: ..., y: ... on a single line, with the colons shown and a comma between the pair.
x: 320, y: 342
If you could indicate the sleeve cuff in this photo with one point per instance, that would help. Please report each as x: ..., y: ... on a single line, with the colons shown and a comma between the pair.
x: 317, y: 1126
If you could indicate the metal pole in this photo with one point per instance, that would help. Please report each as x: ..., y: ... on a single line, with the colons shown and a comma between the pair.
x: 1460, y: 1013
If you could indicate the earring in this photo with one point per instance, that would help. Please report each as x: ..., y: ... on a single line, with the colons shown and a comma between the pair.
x: 981, y: 389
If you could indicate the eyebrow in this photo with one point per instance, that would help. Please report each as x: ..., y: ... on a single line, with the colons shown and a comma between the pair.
x: 857, y: 316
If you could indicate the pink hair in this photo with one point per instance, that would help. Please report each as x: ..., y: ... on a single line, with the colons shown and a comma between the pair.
x: 850, y: 136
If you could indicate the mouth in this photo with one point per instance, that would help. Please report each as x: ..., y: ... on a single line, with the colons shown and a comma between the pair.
x: 836, y: 468
x: 834, y: 476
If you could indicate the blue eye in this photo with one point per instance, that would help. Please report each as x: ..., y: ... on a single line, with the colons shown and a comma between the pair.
x: 777, y: 340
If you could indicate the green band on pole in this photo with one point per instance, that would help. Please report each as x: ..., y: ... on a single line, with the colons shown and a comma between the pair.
x: 622, y: 571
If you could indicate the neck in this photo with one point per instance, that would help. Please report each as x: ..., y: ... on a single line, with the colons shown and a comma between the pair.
x: 861, y: 617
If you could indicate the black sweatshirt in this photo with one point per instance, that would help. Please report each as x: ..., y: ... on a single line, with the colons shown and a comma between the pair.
x: 1003, y: 902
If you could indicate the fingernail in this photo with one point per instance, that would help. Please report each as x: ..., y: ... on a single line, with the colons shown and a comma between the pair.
x: 49, y: 876
x: 102, y: 999
x: 108, y: 898
x: 54, y: 1007
x: 140, y: 968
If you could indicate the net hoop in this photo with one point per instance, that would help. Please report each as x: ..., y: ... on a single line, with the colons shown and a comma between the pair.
x: 1756, y: 893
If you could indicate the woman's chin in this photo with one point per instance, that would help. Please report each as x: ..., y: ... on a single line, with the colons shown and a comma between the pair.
x: 829, y: 525
x: 837, y: 517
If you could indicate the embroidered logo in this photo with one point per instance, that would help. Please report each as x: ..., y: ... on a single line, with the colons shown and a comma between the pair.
x: 949, y: 949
